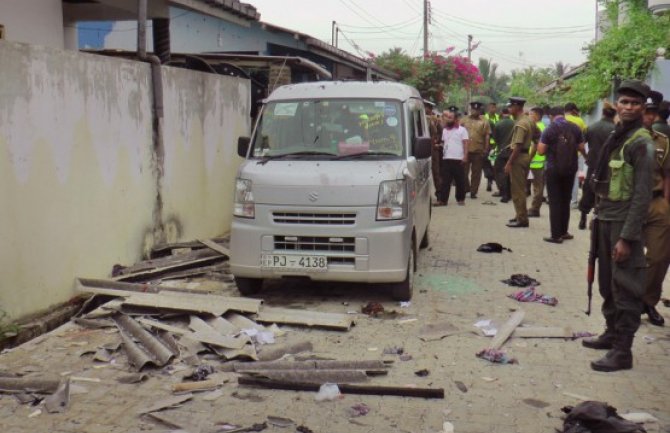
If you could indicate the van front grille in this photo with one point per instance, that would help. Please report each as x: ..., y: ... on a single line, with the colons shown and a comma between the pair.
x: 312, y: 243
x: 334, y: 219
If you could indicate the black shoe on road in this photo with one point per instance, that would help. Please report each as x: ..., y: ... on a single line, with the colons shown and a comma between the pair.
x: 655, y: 317
x: 517, y: 225
x: 582, y: 222
x: 553, y: 240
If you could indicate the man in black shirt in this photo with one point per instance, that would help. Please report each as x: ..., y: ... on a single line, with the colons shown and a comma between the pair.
x: 596, y: 135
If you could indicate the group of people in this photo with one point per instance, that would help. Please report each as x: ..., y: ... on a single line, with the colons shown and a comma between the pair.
x: 627, y: 185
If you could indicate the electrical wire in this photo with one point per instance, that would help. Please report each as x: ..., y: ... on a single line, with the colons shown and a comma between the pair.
x: 522, y: 28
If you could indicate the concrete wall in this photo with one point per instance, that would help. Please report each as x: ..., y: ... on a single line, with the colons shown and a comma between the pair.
x: 37, y: 22
x: 80, y: 184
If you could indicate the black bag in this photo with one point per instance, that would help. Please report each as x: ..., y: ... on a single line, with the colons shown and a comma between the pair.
x: 567, y: 151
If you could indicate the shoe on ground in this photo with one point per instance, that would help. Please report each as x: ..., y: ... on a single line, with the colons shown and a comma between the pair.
x: 654, y: 316
x: 473, y: 195
x: 614, y: 360
x: 461, y: 203
x: 488, y: 188
x: 534, y: 214
x: 604, y: 341
x: 496, y: 194
x: 567, y: 237
x: 553, y: 240
x: 439, y: 203
x: 582, y: 222
x: 517, y: 225
x: 504, y: 200
x: 513, y: 220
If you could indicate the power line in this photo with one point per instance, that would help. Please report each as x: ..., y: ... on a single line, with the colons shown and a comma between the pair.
x: 399, y: 24
x: 489, y: 25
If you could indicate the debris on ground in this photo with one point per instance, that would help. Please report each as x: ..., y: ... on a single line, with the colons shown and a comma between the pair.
x: 422, y: 373
x: 530, y: 295
x: 487, y: 327
x: 521, y: 280
x: 492, y: 247
x: 535, y: 403
x: 496, y: 356
x: 582, y: 334
x: 344, y: 388
x: 201, y: 372
x: 59, y: 400
x: 437, y: 331
x: 461, y: 386
x: 372, y: 309
x: 278, y: 421
x: 393, y: 350
x: 328, y: 392
x: 596, y: 417
x: 359, y: 409
x: 405, y: 304
x: 543, y: 332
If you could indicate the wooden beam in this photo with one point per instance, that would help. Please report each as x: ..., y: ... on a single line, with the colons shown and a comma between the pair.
x: 345, y: 388
x: 216, y: 247
x: 507, y: 329
x: 288, y: 316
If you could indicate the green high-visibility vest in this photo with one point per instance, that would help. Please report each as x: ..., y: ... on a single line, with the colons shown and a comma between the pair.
x: 538, y: 160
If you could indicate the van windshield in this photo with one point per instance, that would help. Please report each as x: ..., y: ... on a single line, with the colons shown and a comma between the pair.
x: 330, y: 129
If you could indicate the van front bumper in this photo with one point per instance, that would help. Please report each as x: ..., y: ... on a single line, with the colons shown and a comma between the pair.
x: 366, y: 250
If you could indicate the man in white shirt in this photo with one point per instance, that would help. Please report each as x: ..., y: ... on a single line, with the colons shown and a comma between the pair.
x: 455, y: 156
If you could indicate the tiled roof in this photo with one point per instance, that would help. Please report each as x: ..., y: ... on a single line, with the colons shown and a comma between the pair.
x: 236, y: 7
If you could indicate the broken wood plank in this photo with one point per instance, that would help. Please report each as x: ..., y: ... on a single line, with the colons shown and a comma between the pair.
x: 202, y: 385
x: 166, y: 249
x: 314, y: 376
x: 121, y: 289
x: 344, y: 388
x: 289, y: 316
x: 215, y: 246
x: 193, y: 302
x: 155, y: 273
x: 29, y: 384
x: 372, y: 365
x: 174, y: 259
x: 200, y: 271
x: 507, y: 329
x: 165, y: 403
x: 542, y: 332
x: 276, y: 352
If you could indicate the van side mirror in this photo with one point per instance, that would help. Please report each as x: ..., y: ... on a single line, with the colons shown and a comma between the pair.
x: 422, y: 147
x: 243, y: 146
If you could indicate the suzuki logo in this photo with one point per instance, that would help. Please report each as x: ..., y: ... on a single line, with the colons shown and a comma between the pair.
x: 313, y: 196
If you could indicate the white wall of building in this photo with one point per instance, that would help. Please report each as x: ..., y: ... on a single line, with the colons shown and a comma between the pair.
x: 38, y: 22
x: 79, y: 177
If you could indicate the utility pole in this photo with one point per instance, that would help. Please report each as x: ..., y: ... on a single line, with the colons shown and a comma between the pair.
x: 426, y: 20
x: 469, y: 60
x: 333, y: 34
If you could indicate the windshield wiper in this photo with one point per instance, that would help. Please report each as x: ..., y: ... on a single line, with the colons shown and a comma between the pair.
x: 301, y: 153
x: 369, y: 153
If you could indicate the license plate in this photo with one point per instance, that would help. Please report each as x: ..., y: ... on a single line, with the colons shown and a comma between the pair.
x: 294, y: 262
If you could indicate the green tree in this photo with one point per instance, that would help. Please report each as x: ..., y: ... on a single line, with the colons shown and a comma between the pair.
x: 495, y: 86
x: 434, y: 75
x: 627, y: 50
x: 528, y: 83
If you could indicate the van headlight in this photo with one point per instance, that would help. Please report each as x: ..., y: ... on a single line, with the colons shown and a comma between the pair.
x: 392, y: 200
x: 244, y: 199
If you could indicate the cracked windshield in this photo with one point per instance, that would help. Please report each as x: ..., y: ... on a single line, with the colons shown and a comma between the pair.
x: 330, y: 128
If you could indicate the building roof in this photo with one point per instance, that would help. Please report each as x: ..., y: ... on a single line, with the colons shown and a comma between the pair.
x: 236, y: 7
x: 345, y: 89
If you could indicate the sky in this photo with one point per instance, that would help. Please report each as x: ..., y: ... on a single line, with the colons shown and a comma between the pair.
x: 513, y: 33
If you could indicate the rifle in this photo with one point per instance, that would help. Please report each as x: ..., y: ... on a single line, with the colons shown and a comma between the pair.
x: 593, y: 256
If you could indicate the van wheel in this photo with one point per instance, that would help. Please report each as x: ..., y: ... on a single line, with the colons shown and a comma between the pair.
x: 403, y: 291
x: 249, y: 286
x: 425, y: 240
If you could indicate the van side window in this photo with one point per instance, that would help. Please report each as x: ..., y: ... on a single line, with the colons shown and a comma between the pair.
x: 418, y: 123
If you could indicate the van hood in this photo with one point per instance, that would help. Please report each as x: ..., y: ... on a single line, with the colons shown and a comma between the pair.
x: 319, y: 183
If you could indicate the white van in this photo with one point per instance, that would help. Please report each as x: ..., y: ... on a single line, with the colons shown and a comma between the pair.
x: 335, y: 187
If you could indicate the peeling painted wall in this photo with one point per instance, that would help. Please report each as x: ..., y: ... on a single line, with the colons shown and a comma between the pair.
x: 78, y: 183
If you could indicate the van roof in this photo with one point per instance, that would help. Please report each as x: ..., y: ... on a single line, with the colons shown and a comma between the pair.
x: 345, y: 89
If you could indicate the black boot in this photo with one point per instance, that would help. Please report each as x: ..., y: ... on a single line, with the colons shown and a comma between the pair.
x: 604, y: 341
x: 655, y: 317
x: 489, y: 185
x: 582, y: 221
x: 619, y: 358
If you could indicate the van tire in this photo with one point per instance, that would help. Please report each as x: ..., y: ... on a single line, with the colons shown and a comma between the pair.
x: 402, y: 291
x: 425, y: 240
x: 249, y: 286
